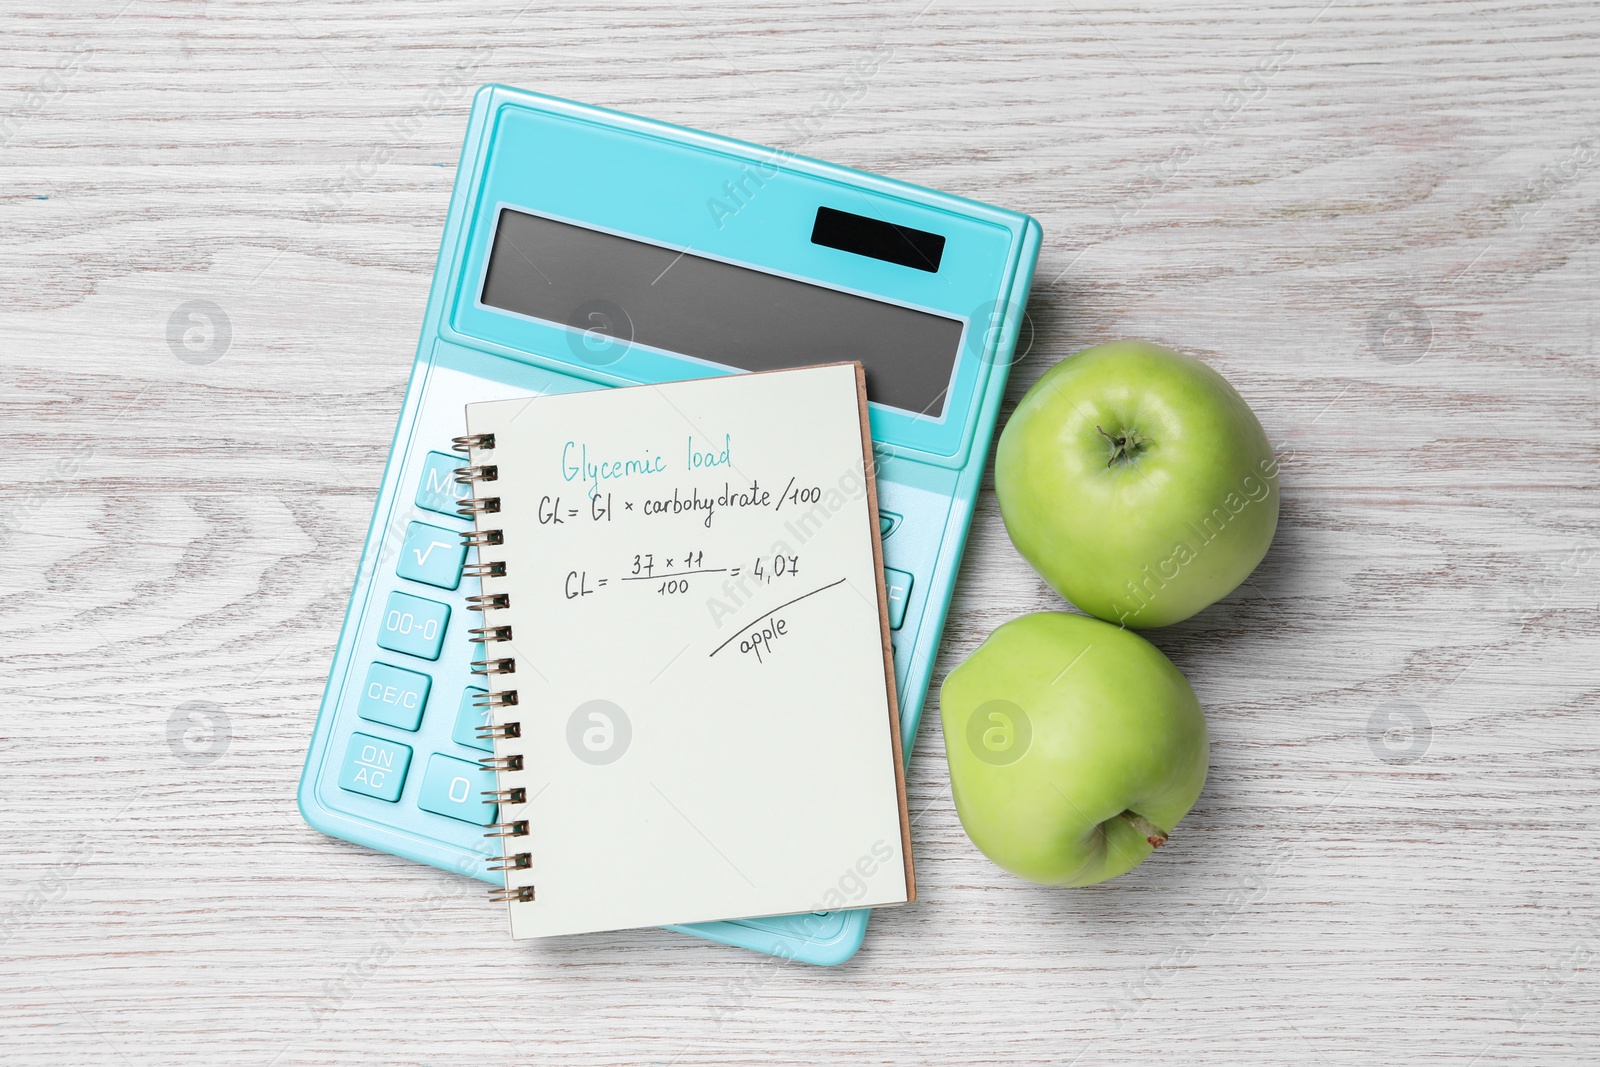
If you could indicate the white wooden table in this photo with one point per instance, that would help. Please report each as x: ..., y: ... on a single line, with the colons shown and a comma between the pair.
x: 1378, y: 219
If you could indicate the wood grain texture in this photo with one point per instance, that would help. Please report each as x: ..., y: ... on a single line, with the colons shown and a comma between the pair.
x: 1378, y: 219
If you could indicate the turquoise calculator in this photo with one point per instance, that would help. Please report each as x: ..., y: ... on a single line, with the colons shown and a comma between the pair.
x: 587, y: 248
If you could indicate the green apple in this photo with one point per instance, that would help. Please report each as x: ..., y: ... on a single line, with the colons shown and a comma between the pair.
x: 1075, y: 747
x: 1137, y: 483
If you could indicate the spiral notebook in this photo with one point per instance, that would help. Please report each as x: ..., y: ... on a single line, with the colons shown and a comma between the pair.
x: 687, y: 658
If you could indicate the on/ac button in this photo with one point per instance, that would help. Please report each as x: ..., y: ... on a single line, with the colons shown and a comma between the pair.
x: 375, y: 767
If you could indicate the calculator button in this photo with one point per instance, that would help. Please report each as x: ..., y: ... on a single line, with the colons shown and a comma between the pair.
x: 374, y: 767
x: 437, y: 490
x: 413, y: 625
x: 453, y: 787
x: 431, y: 555
x: 898, y: 585
x: 468, y: 718
x: 888, y: 521
x: 394, y: 697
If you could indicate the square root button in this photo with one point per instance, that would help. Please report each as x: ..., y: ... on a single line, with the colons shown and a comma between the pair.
x: 413, y: 625
x: 454, y: 787
x: 431, y: 555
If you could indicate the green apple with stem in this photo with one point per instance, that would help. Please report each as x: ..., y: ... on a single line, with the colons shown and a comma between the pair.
x: 1138, y: 483
x: 1075, y: 747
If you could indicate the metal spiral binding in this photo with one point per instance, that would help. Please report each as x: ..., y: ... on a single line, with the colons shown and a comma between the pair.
x: 466, y: 444
x: 521, y: 894
x: 468, y: 475
x: 475, y: 508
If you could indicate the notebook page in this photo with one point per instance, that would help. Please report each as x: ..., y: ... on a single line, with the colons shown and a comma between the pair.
x: 704, y: 692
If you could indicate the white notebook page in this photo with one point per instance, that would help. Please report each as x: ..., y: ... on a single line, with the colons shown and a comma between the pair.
x: 704, y: 694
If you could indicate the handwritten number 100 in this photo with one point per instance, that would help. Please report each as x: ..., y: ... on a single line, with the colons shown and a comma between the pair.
x: 674, y: 585
x: 805, y: 495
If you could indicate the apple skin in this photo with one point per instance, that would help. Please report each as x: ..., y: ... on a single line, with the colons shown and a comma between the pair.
x: 1148, y: 538
x: 1100, y: 723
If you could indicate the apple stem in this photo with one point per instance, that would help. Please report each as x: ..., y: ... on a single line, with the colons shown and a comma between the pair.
x: 1124, y: 444
x: 1152, y: 833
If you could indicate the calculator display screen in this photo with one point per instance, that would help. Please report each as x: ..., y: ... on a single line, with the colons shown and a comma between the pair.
x: 625, y: 291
